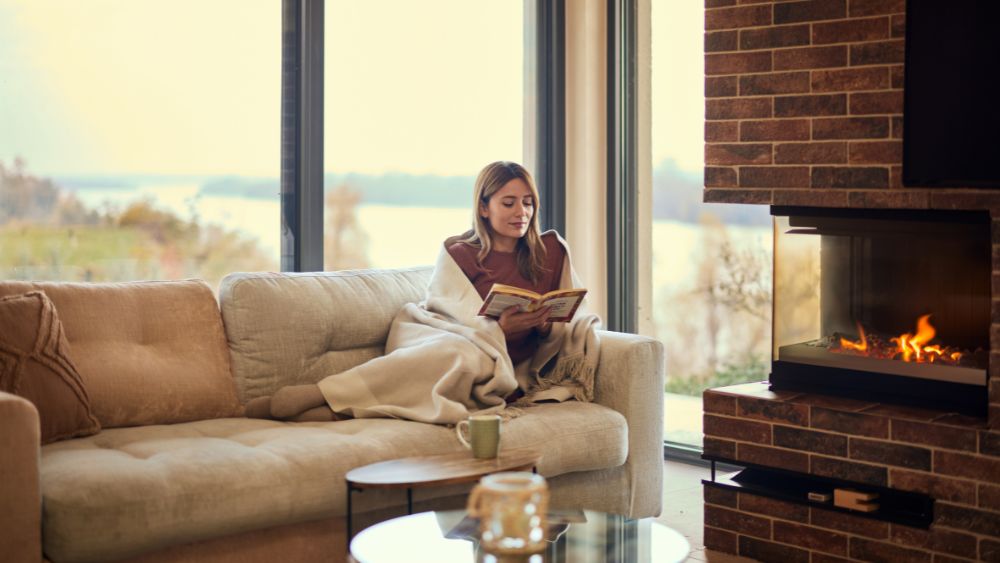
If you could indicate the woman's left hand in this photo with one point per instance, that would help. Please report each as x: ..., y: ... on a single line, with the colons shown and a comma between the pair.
x: 514, y: 322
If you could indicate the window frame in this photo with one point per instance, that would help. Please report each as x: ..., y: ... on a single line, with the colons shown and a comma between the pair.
x: 302, y: 134
x: 545, y: 30
x: 622, y: 167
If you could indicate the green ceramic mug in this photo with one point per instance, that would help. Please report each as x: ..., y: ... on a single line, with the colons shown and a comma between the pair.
x: 484, y: 434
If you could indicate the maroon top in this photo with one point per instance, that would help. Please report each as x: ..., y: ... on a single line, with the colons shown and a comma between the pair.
x: 501, y: 267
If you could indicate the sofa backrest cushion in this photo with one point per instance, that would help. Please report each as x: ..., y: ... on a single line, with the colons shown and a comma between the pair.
x: 295, y: 328
x: 148, y: 352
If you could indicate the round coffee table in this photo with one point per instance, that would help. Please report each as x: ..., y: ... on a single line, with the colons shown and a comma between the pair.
x: 451, y: 536
x: 431, y: 471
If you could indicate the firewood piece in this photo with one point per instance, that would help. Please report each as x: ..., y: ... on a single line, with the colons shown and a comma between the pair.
x: 855, y: 500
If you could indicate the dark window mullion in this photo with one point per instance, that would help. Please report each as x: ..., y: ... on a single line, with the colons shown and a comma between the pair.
x: 289, y: 131
x: 550, y: 95
x: 302, y: 135
x: 622, y: 167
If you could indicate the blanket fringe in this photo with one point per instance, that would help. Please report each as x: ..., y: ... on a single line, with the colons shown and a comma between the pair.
x: 510, y: 413
x: 572, y: 372
x: 506, y: 412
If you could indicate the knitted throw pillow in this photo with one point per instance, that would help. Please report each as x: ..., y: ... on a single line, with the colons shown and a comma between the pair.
x: 35, y: 364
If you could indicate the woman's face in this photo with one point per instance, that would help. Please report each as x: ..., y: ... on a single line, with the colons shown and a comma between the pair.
x: 509, y: 213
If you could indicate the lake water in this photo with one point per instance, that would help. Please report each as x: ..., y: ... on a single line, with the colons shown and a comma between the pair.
x: 401, y: 236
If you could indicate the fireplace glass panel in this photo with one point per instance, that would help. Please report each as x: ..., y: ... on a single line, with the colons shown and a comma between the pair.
x: 889, y: 305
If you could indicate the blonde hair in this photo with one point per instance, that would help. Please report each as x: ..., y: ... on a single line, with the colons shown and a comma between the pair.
x: 530, y: 248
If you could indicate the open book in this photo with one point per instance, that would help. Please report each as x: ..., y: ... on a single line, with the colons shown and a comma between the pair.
x: 564, y: 302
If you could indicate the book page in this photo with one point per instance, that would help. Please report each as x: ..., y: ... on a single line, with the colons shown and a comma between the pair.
x: 561, y: 306
x: 501, y: 302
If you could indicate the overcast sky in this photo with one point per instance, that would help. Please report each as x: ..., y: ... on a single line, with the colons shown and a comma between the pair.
x: 193, y: 86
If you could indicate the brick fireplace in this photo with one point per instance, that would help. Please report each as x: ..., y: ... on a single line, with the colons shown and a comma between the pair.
x: 804, y: 108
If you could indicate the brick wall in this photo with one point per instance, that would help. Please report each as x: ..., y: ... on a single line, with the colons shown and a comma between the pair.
x: 953, y: 458
x: 804, y: 106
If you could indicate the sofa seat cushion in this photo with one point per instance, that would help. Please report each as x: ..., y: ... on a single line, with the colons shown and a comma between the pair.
x: 130, y: 490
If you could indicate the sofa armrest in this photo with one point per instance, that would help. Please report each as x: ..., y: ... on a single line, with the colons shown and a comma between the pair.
x: 629, y: 379
x: 20, y: 494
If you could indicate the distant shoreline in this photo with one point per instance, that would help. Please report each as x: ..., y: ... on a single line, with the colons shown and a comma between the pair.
x: 677, y: 193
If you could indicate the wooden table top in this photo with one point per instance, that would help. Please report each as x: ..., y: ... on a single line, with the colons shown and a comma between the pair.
x: 435, y: 470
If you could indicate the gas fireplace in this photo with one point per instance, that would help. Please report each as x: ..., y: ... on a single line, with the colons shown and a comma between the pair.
x: 883, y: 305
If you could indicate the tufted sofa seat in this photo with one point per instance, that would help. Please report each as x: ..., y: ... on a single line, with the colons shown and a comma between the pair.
x: 191, y: 479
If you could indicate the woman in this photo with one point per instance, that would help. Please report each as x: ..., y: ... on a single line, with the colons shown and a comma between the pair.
x: 505, y: 247
x: 443, y: 361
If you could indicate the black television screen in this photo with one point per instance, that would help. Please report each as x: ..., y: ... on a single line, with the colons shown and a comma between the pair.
x: 951, y: 103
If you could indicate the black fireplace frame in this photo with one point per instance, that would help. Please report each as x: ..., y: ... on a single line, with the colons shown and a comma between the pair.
x: 964, y: 398
x: 972, y: 400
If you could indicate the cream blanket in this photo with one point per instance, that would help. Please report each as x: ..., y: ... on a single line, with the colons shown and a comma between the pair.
x: 444, y: 362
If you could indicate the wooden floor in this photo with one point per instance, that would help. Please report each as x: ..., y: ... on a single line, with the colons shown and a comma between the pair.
x: 682, y: 509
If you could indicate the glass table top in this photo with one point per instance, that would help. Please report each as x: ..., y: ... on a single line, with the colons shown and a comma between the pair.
x: 574, y: 536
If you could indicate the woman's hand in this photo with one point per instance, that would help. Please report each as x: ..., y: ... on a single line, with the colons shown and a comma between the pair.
x: 514, y: 322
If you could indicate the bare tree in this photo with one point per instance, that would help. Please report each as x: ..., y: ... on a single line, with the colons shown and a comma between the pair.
x: 722, y: 320
x: 345, y: 243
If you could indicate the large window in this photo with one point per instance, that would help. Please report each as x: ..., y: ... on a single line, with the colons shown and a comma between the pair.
x: 711, y: 262
x: 140, y: 139
x: 418, y: 97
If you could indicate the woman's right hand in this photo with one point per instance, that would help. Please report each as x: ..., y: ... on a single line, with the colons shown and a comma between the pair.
x: 514, y: 322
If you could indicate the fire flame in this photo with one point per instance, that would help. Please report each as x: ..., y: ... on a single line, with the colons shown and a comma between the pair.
x: 908, y: 347
x: 861, y: 346
x: 912, y: 345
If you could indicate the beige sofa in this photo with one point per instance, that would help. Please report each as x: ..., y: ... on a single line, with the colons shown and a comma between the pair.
x: 177, y: 475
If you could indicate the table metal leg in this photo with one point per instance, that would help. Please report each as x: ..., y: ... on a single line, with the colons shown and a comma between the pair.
x: 350, y: 490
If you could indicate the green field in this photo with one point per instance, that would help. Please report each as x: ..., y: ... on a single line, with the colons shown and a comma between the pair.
x: 121, y: 253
